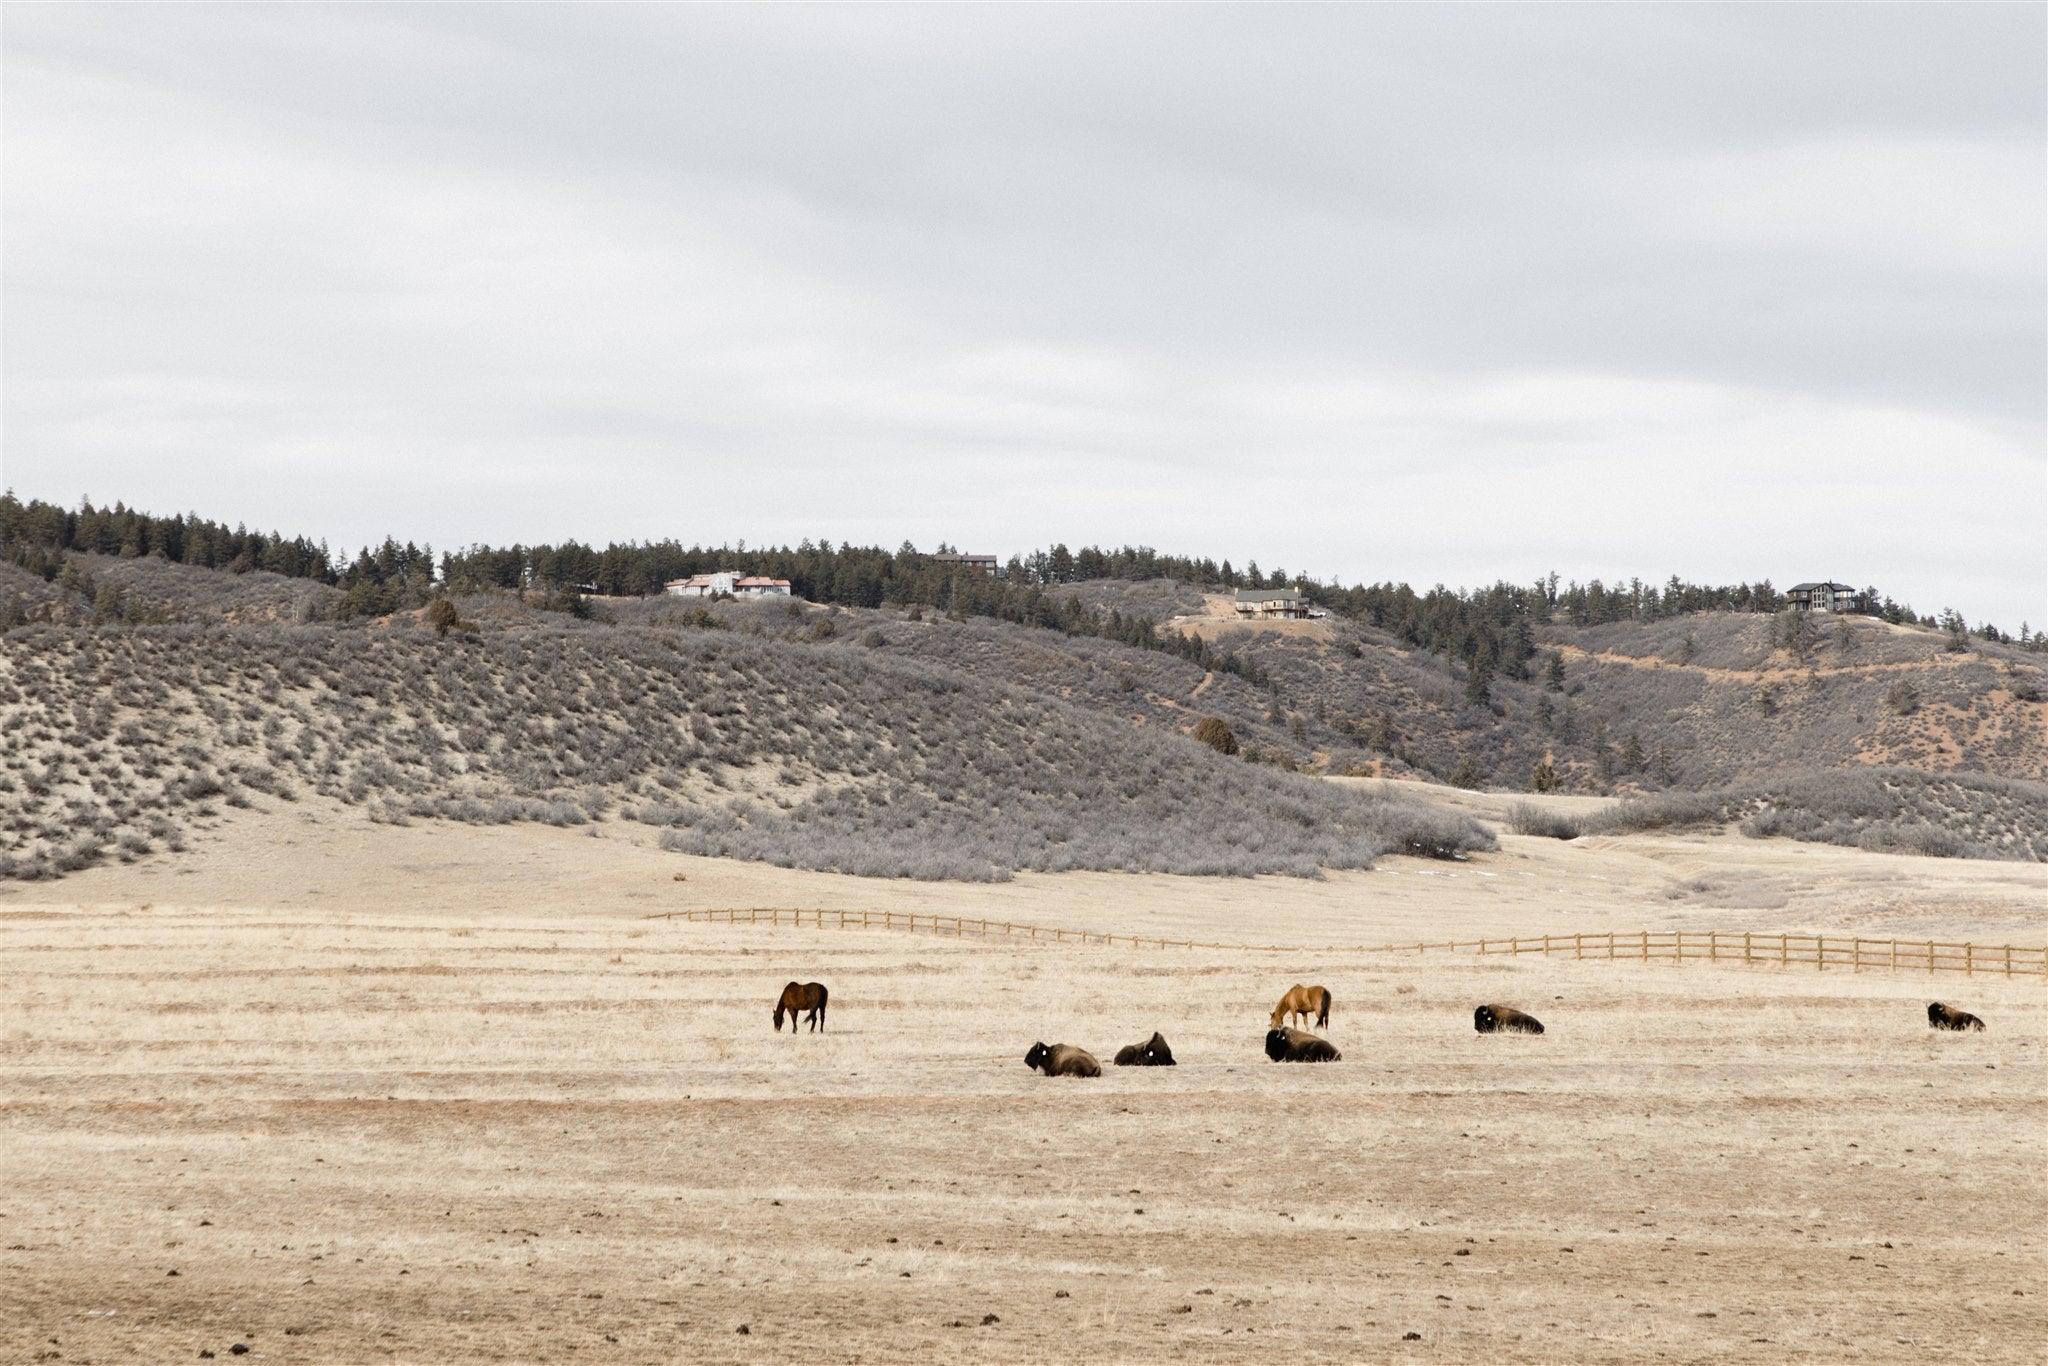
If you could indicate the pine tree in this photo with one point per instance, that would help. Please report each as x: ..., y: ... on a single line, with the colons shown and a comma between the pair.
x: 442, y: 616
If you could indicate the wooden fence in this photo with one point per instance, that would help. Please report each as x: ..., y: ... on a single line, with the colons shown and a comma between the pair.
x: 1822, y: 953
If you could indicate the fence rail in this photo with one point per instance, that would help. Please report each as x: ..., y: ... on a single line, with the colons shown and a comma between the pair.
x: 1822, y: 953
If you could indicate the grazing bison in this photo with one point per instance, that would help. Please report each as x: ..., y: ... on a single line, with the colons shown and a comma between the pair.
x: 1062, y: 1060
x: 1940, y: 1016
x: 1151, y: 1053
x: 1302, y: 1002
x: 1505, y: 1020
x: 798, y: 998
x: 1294, y: 1045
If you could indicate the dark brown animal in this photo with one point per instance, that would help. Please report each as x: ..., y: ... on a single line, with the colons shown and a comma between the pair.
x: 1940, y: 1016
x: 1504, y: 1020
x: 1062, y: 1060
x: 1294, y: 1045
x: 1151, y: 1053
x: 1302, y: 1002
x: 798, y: 998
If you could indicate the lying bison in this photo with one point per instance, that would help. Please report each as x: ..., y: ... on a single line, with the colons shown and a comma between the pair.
x: 1062, y: 1060
x: 1151, y: 1053
x: 1295, y: 1045
x: 1492, y: 1019
x: 1940, y: 1016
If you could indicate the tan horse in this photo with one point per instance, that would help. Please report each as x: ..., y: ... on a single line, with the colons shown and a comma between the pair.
x: 798, y: 998
x: 1302, y: 1002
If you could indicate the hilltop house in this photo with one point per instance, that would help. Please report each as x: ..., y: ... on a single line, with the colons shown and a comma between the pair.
x: 727, y: 581
x: 1271, y: 602
x: 1826, y: 597
x: 983, y: 565
x: 702, y: 585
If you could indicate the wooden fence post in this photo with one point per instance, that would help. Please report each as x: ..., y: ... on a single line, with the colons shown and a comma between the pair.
x: 1745, y: 946
x: 1820, y: 951
x: 1969, y: 959
x: 1646, y: 946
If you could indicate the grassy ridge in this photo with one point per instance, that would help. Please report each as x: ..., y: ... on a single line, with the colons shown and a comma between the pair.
x: 118, y: 740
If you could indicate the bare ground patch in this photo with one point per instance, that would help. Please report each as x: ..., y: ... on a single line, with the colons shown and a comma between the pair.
x: 556, y: 1130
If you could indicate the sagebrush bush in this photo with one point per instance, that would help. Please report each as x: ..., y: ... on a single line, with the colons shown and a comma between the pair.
x: 1214, y: 732
x: 1527, y: 818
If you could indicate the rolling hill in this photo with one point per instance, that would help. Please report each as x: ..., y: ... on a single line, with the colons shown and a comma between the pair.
x: 902, y: 741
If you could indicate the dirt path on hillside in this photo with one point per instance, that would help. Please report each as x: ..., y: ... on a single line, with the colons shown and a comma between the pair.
x: 1762, y: 671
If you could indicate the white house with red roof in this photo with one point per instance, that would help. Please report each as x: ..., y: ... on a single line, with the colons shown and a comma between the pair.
x: 729, y: 581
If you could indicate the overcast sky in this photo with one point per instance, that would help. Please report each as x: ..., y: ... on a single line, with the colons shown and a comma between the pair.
x: 1435, y: 293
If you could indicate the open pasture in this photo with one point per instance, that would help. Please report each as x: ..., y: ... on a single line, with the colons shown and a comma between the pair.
x: 430, y: 1137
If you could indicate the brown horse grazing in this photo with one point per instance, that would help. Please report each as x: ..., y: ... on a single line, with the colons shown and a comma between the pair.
x: 1062, y: 1060
x: 1302, y: 1002
x: 1294, y: 1045
x: 798, y: 998
x: 1151, y: 1053
x: 1505, y: 1020
x: 1940, y: 1016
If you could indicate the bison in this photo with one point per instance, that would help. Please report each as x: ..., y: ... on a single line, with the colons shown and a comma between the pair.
x: 1940, y: 1016
x: 1151, y: 1053
x: 1491, y: 1019
x: 1295, y: 1045
x: 1062, y: 1060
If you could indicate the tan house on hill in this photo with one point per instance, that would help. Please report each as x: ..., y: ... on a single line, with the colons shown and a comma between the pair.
x: 1271, y: 602
x: 1826, y: 597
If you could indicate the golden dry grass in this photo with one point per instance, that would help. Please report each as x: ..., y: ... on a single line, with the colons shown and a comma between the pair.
x: 457, y: 1100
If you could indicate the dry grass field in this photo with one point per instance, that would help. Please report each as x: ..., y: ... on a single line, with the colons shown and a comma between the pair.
x: 348, y: 1092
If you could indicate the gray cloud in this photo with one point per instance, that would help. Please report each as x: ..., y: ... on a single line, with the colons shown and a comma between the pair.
x: 1419, y: 292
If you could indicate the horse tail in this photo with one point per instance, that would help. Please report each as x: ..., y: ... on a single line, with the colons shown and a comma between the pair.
x: 1323, y: 1017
